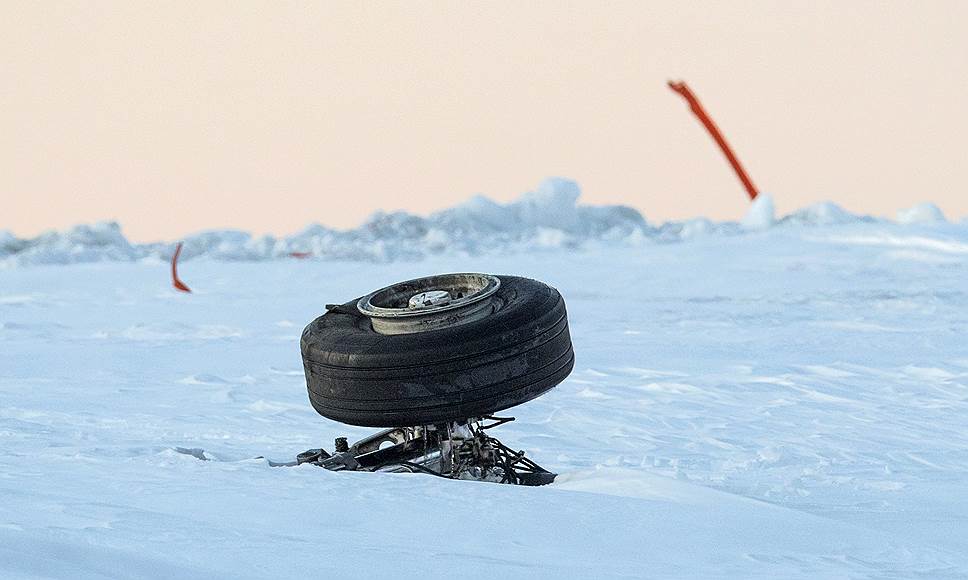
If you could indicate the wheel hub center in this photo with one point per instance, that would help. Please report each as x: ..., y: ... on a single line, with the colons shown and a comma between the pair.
x: 429, y: 299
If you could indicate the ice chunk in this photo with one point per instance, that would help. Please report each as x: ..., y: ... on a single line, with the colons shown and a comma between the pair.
x: 551, y: 205
x: 224, y: 245
x: 697, y: 227
x: 477, y: 213
x: 547, y: 218
x: 760, y: 215
x: 102, y: 241
x: 9, y: 243
x: 922, y: 213
x: 822, y: 214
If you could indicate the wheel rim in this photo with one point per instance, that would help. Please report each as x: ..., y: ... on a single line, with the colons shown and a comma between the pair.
x: 430, y: 303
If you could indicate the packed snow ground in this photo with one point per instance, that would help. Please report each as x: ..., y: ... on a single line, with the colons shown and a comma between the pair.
x: 781, y: 401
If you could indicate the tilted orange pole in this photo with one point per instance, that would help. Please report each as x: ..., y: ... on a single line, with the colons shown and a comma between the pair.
x: 681, y: 88
x: 178, y: 284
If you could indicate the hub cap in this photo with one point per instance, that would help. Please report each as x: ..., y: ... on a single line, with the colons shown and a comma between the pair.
x: 430, y: 303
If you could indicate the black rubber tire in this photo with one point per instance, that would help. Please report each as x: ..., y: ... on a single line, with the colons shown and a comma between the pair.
x: 360, y: 377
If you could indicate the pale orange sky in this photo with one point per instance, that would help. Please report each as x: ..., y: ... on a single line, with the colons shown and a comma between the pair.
x: 174, y: 117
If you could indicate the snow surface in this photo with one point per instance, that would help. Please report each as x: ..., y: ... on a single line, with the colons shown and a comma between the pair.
x: 549, y: 218
x: 789, y: 402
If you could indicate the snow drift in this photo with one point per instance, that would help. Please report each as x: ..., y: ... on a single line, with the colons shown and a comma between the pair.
x: 548, y: 218
x: 788, y: 403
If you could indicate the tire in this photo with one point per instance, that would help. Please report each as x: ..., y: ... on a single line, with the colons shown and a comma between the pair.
x: 357, y: 376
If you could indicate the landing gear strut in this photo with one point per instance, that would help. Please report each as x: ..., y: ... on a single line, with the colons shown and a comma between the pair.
x: 453, y: 450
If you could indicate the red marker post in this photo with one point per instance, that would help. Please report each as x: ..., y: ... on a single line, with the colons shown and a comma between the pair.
x: 178, y: 284
x: 697, y: 109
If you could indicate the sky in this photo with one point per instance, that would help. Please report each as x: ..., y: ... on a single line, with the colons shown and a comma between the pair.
x: 176, y: 117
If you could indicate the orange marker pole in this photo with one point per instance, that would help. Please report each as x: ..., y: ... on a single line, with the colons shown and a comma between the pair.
x: 694, y: 104
x: 178, y: 284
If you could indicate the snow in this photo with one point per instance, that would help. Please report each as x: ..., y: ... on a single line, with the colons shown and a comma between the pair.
x: 547, y: 219
x: 922, y: 213
x: 82, y: 243
x: 786, y: 402
x: 761, y: 214
x: 823, y: 214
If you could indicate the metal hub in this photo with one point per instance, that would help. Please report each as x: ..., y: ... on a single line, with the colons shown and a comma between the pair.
x: 429, y: 299
x: 430, y: 303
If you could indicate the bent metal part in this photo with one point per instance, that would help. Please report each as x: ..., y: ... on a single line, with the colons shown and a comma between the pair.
x: 457, y: 450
